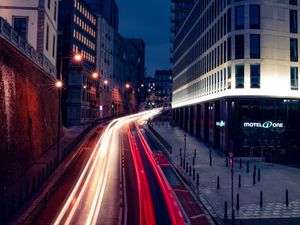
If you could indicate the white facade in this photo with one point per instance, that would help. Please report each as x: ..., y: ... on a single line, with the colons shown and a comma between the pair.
x: 192, y: 85
x: 41, y: 23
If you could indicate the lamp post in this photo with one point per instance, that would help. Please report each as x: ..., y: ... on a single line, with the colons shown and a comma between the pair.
x: 127, y: 86
x: 58, y: 85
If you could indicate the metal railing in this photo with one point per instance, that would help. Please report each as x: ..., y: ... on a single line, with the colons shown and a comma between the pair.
x: 8, y: 33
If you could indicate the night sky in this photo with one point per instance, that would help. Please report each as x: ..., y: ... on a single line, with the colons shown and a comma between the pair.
x: 149, y: 20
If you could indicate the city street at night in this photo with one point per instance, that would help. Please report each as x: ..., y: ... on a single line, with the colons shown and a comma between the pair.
x: 175, y: 112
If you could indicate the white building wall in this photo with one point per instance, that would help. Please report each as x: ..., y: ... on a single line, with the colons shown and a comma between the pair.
x: 274, y: 61
x: 29, y: 9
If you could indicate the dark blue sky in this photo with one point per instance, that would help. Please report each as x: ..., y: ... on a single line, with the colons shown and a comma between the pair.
x: 149, y: 20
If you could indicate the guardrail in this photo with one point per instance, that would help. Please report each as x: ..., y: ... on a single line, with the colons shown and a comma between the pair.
x: 9, y: 34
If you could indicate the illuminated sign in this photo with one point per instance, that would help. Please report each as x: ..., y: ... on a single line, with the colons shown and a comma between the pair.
x: 266, y: 125
x: 221, y: 124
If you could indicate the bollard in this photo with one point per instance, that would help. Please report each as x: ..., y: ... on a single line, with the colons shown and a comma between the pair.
x: 218, y: 183
x: 254, y: 171
x: 254, y: 178
x: 195, y: 153
x: 226, y: 162
x: 240, y: 163
x: 210, y: 159
x: 287, y: 198
x: 181, y: 162
x: 240, y: 180
x: 193, y: 173
x: 187, y: 167
x: 261, y: 199
x: 190, y: 170
x: 225, y: 211
x: 258, y: 176
x: 237, y: 201
x: 180, y: 153
x: 197, y: 179
x: 233, y: 218
x: 247, y: 166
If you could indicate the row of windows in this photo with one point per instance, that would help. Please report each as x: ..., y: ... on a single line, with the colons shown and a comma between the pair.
x: 85, y: 54
x: 217, y: 31
x: 217, y: 57
x: 221, y: 81
x: 84, y: 12
x: 84, y: 40
x: 254, y: 12
x: 84, y: 26
x: 55, y: 9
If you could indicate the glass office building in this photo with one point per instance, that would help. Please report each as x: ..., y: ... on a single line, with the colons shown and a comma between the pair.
x: 236, y: 77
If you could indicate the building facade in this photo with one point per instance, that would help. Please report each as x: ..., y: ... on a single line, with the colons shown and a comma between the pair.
x: 163, y: 88
x: 236, y: 77
x: 36, y: 22
x: 77, y: 34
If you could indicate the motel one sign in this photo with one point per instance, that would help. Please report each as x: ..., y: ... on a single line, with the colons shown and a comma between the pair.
x: 266, y: 125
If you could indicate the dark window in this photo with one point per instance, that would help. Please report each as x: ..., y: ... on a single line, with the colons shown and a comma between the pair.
x: 255, y: 46
x: 294, y: 49
x: 255, y: 76
x: 228, y: 20
x: 294, y: 78
x: 20, y: 26
x: 239, y: 17
x: 293, y: 2
x: 293, y: 21
x: 239, y: 47
x: 53, y: 47
x: 47, y: 37
x: 229, y: 49
x: 254, y: 17
x: 49, y: 3
x: 239, y: 76
x: 55, y: 10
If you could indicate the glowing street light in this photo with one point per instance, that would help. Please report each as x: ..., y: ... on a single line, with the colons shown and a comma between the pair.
x: 127, y: 86
x: 59, y: 84
x: 106, y: 82
x: 95, y: 75
x: 78, y: 57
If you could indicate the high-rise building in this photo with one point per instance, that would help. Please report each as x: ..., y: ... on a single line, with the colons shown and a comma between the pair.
x: 108, y: 9
x: 36, y: 23
x: 163, y: 88
x: 235, y: 77
x: 77, y: 34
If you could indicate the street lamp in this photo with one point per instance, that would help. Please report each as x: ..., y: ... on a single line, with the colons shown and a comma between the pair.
x: 105, y: 82
x: 95, y: 75
x: 59, y: 86
x: 127, y: 86
x: 84, y: 114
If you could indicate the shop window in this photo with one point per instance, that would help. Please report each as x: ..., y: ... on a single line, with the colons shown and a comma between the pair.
x: 255, y: 76
x: 239, y: 76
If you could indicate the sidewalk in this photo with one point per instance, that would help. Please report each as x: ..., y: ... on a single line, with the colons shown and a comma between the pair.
x: 30, y: 181
x: 275, y: 179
